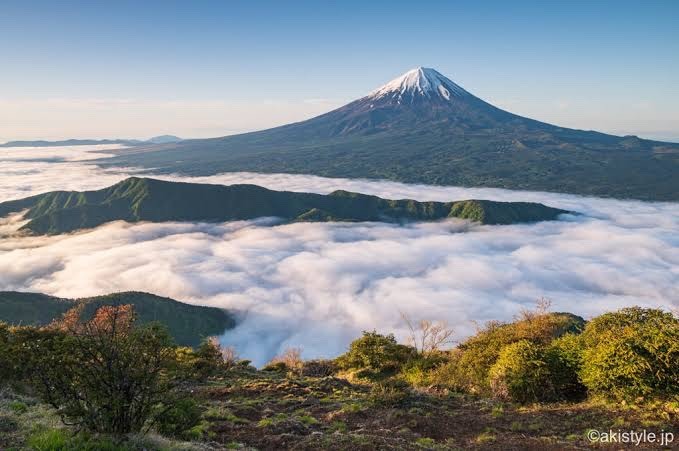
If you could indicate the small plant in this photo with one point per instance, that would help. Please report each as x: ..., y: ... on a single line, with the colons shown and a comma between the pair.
x: 389, y: 393
x: 338, y: 426
x: 425, y: 442
x: 18, y: 407
x: 319, y: 368
x: 307, y: 419
x: 290, y: 359
x: 179, y: 417
x: 487, y: 436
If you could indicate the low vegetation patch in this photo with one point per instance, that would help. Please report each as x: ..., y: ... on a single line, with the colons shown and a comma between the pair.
x: 543, y: 380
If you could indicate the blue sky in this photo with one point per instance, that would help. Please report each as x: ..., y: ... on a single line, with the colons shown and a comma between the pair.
x: 137, y: 69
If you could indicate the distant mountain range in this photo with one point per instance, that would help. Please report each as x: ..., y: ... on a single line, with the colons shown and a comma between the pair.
x: 188, y: 324
x: 163, y: 139
x: 143, y: 199
x: 424, y: 128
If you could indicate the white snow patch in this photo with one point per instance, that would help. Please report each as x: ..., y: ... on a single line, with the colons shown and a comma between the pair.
x: 420, y: 81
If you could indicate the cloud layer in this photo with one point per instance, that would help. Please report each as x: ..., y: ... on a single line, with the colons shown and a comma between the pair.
x: 318, y: 285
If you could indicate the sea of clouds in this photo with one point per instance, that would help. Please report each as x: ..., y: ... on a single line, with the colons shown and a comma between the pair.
x: 319, y: 285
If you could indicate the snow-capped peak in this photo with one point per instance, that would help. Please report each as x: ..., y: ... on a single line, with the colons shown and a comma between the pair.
x: 421, y: 81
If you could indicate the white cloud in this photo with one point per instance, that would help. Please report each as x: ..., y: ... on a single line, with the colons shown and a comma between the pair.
x: 319, y: 285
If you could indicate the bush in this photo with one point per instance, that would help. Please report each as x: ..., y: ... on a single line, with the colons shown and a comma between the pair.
x: 564, y: 358
x: 632, y: 353
x: 279, y: 367
x: 6, y: 355
x: 389, y: 393
x: 178, y: 418
x: 479, y: 353
x: 290, y: 359
x: 420, y: 372
x: 319, y: 368
x: 208, y: 360
x: 379, y: 354
x: 521, y: 374
x: 103, y: 375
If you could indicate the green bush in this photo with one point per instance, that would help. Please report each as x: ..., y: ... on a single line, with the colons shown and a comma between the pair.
x: 178, y: 418
x: 389, y: 393
x: 208, y: 361
x: 632, y: 353
x: 376, y: 354
x: 564, y: 358
x: 6, y: 356
x: 419, y: 372
x: 474, y: 357
x: 103, y: 375
x: 521, y: 374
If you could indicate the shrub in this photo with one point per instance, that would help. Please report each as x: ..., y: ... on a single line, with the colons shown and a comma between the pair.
x: 420, y: 372
x: 280, y: 367
x: 389, y: 393
x: 103, y: 375
x: 6, y: 354
x: 377, y: 353
x: 479, y: 353
x: 632, y: 353
x: 564, y: 358
x: 208, y: 360
x: 319, y: 368
x: 521, y: 374
x: 178, y: 418
x: 290, y: 359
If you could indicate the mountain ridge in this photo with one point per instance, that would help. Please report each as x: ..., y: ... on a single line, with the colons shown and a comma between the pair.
x: 144, y: 199
x: 162, y: 139
x: 187, y: 323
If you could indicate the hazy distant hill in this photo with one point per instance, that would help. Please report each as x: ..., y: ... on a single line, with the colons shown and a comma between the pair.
x: 163, y: 139
x: 424, y: 128
x: 188, y: 324
x: 143, y: 199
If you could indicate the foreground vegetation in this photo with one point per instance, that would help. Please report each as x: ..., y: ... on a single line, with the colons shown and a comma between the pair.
x: 542, y: 381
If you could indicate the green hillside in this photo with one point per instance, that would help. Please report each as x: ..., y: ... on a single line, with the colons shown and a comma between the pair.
x: 188, y: 324
x: 143, y: 199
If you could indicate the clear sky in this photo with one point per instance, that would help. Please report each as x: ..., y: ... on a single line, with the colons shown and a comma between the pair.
x: 136, y: 69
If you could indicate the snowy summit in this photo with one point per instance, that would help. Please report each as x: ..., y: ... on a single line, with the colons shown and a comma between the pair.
x: 418, y: 82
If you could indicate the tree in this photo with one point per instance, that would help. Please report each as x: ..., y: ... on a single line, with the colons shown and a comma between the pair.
x: 428, y: 337
x: 103, y: 374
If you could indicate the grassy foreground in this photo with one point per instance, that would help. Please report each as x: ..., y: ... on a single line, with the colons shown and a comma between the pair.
x: 250, y: 409
x: 544, y: 381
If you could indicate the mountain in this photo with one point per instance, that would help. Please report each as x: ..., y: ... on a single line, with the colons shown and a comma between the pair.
x: 188, y: 324
x: 424, y: 128
x: 163, y: 139
x: 143, y: 199
x: 72, y: 142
